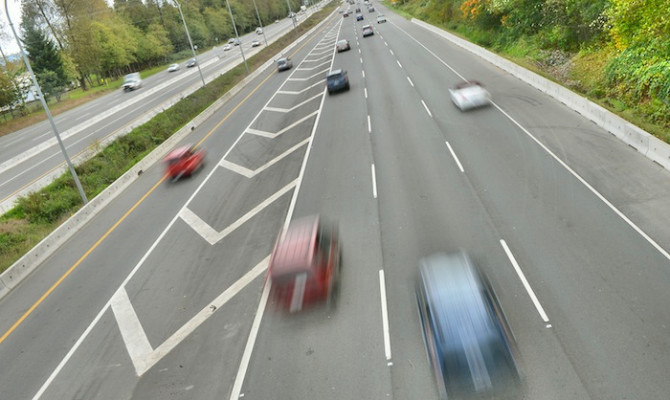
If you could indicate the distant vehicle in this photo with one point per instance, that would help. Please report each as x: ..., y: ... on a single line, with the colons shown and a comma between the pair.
x: 237, y: 42
x: 343, y: 45
x: 381, y: 18
x: 469, y: 343
x: 255, y: 43
x: 358, y: 9
x: 346, y: 14
x: 305, y: 265
x: 191, y: 63
x: 259, y: 31
x: 371, y: 9
x: 132, y: 82
x: 341, y: 11
x: 227, y: 47
x: 183, y: 161
x: 173, y: 67
x: 470, y: 94
x: 367, y: 31
x: 337, y: 80
x: 284, y: 63
x: 359, y: 17
x: 231, y: 41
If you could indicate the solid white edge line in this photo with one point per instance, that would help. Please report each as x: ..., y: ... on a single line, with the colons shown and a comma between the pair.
x: 410, y: 81
x: 588, y: 186
x: 374, y: 181
x: 426, y: 107
x: 369, y: 125
x: 524, y: 281
x: 385, y: 317
x: 453, y: 154
x: 251, y: 341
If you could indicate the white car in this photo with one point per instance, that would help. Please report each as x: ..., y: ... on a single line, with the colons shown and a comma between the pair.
x: 470, y: 94
x: 255, y: 43
x: 132, y: 82
x: 381, y: 18
x: 173, y: 67
x: 227, y: 47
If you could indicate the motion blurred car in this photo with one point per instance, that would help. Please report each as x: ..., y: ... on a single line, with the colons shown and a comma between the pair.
x: 381, y: 18
x: 191, y: 63
x: 259, y: 31
x: 469, y: 343
x: 345, y: 14
x: 284, y: 63
x: 367, y: 31
x: 237, y: 42
x: 255, y: 43
x: 358, y: 9
x: 470, y: 94
x: 337, y: 80
x: 304, y: 266
x: 343, y: 45
x: 132, y: 82
x: 183, y: 161
x: 227, y: 47
x: 173, y: 67
x: 359, y: 17
x: 371, y: 9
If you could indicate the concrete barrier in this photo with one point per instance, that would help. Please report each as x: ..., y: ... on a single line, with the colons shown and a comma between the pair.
x: 647, y: 144
x: 31, y: 260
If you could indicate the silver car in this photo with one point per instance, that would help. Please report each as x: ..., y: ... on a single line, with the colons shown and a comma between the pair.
x: 132, y: 82
x: 470, y: 94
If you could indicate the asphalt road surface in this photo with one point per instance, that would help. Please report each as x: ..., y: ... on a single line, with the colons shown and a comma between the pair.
x: 29, y: 154
x: 569, y: 223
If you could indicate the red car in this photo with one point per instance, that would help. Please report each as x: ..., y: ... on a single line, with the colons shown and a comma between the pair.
x: 183, y: 161
x: 305, y: 265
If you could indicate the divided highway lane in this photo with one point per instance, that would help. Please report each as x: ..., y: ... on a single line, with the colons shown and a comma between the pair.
x: 600, y: 282
x: 21, y: 166
x: 170, y: 293
x: 339, y: 353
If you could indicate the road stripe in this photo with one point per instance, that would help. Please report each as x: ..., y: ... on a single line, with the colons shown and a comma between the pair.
x: 374, y: 182
x: 385, y: 317
x: 400, y: 65
x: 453, y: 154
x: 369, y: 125
x: 524, y: 281
x: 365, y: 90
x: 426, y: 107
x: 410, y: 81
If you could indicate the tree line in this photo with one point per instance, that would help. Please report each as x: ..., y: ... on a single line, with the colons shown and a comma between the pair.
x: 80, y: 42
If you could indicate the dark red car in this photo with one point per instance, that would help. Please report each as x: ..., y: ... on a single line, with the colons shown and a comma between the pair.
x: 305, y: 265
x: 183, y: 161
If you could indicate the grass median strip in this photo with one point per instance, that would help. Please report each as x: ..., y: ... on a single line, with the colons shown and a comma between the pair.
x: 38, y: 214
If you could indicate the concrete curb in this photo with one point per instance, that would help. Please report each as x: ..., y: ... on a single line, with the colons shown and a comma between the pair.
x: 31, y: 260
x: 644, y: 142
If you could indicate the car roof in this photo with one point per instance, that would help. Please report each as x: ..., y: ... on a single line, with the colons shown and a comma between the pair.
x: 294, y: 252
x: 178, y: 152
x: 455, y: 293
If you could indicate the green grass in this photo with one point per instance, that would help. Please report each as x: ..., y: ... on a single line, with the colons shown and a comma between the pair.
x: 38, y: 214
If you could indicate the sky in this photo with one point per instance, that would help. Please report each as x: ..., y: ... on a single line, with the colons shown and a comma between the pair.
x: 8, y: 42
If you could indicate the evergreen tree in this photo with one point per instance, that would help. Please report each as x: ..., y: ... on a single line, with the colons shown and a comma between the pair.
x: 45, y: 59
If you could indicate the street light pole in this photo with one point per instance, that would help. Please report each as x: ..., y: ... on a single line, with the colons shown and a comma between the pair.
x: 260, y: 24
x: 290, y: 12
x: 188, y: 35
x: 46, y: 109
x: 237, y: 36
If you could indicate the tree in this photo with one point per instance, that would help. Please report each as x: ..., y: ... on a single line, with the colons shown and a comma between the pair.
x: 8, y: 93
x: 45, y: 60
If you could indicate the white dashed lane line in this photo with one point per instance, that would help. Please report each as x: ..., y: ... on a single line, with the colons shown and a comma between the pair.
x: 426, y: 107
x: 400, y: 65
x: 392, y: 52
x: 365, y: 90
x: 369, y: 125
x: 410, y: 81
x: 453, y: 154
x: 374, y: 181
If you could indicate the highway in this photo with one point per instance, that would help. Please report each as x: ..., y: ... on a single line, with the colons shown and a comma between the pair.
x: 569, y: 223
x: 30, y: 156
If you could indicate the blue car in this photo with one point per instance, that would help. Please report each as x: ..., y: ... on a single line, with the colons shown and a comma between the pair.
x: 337, y: 80
x: 469, y: 344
